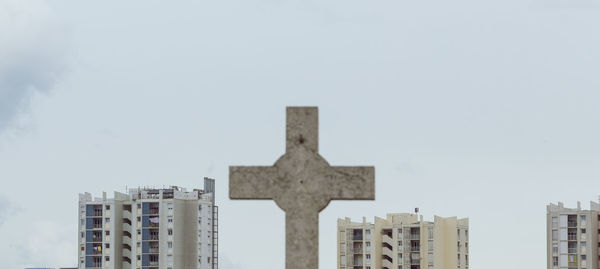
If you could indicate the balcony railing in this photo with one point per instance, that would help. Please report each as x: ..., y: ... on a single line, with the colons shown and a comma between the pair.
x: 358, y: 250
x: 357, y: 238
x: 415, y: 237
x: 572, y: 224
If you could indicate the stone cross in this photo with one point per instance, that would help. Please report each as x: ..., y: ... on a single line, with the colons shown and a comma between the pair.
x: 302, y: 183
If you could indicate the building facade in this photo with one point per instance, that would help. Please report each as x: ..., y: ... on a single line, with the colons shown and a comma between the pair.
x: 403, y: 241
x: 149, y: 228
x: 572, y: 236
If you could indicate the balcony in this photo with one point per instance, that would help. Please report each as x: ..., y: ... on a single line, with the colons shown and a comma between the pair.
x: 357, y: 251
x: 357, y: 237
x: 127, y: 227
x: 127, y: 214
x: 386, y: 239
x: 387, y: 264
x: 387, y: 252
x: 572, y: 224
x: 415, y: 236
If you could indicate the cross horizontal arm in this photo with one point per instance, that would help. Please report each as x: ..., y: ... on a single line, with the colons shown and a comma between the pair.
x: 352, y: 182
x: 252, y: 182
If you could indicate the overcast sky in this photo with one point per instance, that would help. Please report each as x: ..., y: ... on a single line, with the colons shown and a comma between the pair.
x: 480, y: 109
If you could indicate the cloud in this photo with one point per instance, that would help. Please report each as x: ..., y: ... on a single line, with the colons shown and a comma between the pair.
x: 6, y: 210
x: 45, y: 244
x: 32, y: 55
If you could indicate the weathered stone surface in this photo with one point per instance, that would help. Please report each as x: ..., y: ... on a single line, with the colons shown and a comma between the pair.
x: 302, y: 183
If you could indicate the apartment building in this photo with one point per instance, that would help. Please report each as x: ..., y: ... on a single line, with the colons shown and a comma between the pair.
x: 149, y: 228
x: 403, y: 241
x: 572, y: 236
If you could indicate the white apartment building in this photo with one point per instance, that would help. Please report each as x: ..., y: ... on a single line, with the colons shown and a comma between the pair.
x: 572, y: 236
x: 149, y: 228
x: 403, y: 241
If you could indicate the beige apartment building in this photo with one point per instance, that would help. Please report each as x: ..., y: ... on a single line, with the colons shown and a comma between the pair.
x: 149, y: 228
x: 403, y: 241
x: 572, y: 236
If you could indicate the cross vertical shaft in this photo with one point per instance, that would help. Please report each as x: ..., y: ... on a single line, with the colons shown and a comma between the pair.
x: 302, y: 240
x: 302, y: 128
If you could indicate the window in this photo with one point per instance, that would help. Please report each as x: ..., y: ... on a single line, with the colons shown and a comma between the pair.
x: 170, y: 245
x: 554, y: 235
x: 554, y: 222
x: 582, y: 231
x: 107, y: 207
x: 107, y: 232
x: 107, y: 258
x: 170, y: 231
x: 170, y: 220
x: 107, y: 220
x: 583, y: 217
x: 583, y: 257
x: 554, y: 247
x: 555, y: 261
x: 430, y: 231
